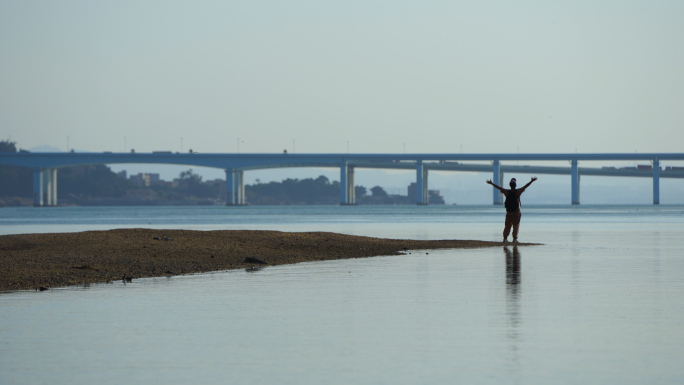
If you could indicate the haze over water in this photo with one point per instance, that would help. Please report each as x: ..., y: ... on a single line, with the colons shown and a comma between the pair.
x: 599, y: 302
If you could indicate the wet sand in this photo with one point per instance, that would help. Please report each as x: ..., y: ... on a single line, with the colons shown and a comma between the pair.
x: 43, y: 261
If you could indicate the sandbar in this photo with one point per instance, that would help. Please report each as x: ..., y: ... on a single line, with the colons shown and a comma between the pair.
x: 44, y: 261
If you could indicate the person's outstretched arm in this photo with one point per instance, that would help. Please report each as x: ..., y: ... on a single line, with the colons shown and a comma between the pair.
x: 489, y: 181
x: 528, y: 184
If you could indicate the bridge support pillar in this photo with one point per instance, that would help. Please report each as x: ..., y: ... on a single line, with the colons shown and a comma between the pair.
x: 422, y: 194
x: 235, y: 187
x: 347, y: 189
x: 497, y: 179
x: 37, y: 187
x: 53, y: 191
x: 50, y: 187
x: 44, y: 187
x: 656, y: 181
x: 574, y: 174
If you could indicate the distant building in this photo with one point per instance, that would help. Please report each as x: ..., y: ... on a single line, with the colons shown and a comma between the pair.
x: 154, y: 178
x: 172, y: 184
x: 434, y: 198
x: 145, y: 179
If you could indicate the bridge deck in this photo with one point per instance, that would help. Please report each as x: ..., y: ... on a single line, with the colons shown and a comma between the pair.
x: 45, y: 165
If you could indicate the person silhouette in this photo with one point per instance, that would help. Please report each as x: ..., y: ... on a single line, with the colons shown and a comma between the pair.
x: 512, y: 204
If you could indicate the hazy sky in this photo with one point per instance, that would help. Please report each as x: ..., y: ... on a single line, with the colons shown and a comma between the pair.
x: 367, y: 76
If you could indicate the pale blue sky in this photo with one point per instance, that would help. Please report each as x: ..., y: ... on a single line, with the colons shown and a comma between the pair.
x: 546, y: 76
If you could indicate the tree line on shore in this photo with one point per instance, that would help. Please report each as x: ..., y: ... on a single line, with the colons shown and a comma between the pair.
x: 98, y: 184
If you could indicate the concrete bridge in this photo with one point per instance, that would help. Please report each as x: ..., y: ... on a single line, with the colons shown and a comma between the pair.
x: 45, y: 167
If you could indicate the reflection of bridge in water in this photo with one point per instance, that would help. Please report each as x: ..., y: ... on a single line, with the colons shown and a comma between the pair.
x: 45, y: 167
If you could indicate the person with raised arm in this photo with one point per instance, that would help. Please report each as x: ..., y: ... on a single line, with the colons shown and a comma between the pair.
x: 512, y: 204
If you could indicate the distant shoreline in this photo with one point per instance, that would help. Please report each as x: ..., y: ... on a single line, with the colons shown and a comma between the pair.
x: 43, y: 261
x: 28, y: 202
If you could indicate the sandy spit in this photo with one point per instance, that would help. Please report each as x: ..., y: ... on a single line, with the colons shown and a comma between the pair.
x: 43, y: 261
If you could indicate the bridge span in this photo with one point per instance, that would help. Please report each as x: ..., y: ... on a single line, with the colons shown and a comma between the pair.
x: 45, y: 167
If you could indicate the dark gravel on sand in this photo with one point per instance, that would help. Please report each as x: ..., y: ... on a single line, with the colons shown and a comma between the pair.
x: 42, y: 261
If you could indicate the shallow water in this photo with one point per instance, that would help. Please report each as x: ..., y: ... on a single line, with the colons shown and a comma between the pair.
x: 600, y: 302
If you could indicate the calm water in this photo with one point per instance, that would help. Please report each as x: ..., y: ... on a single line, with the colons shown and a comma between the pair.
x: 602, y: 301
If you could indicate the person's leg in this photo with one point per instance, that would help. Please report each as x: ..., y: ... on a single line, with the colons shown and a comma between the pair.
x: 507, y: 226
x: 516, y: 225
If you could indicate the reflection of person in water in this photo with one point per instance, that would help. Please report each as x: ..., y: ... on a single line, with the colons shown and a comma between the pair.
x: 512, y: 266
x: 513, y: 294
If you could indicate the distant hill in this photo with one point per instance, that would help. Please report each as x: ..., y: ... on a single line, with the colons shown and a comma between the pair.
x: 45, y: 148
